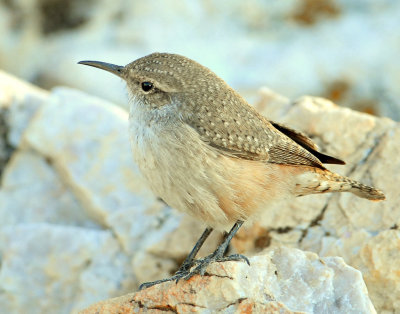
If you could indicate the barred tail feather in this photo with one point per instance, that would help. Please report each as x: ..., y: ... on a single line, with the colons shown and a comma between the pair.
x: 357, y: 188
x: 367, y: 192
x: 324, y: 181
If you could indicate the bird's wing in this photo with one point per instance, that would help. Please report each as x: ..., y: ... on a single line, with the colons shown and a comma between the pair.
x: 237, y: 129
x: 297, y: 136
x: 304, y: 141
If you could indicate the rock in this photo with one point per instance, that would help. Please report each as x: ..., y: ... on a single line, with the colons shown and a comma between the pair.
x: 338, y: 49
x: 87, y: 141
x: 124, y: 305
x: 32, y: 191
x: 377, y: 257
x: 341, y: 224
x: 43, y: 221
x: 56, y: 177
x: 18, y: 103
x: 48, y: 268
x: 281, y: 280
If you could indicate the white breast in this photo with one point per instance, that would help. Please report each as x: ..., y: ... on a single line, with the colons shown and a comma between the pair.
x: 192, y: 177
x: 178, y: 166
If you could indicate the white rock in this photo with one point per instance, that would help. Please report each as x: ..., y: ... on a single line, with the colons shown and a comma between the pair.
x: 56, y: 269
x: 18, y: 102
x: 288, y: 278
x: 21, y: 100
x: 305, y: 282
x: 65, y: 167
x: 87, y: 141
x: 342, y: 224
x: 31, y: 191
x: 378, y: 258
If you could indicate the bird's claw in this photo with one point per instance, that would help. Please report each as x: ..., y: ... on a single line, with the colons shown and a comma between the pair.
x: 182, y: 272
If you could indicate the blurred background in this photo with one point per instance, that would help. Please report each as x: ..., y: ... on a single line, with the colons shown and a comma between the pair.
x: 347, y: 51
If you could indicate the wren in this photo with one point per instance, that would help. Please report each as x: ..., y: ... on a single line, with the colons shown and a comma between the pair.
x: 206, y: 152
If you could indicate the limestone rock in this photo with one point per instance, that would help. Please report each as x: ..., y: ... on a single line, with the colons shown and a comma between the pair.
x: 32, y: 191
x: 21, y: 100
x: 341, y: 224
x: 38, y: 202
x: 281, y: 280
x: 72, y: 166
x: 18, y: 103
x: 87, y: 141
x: 55, y: 269
x: 377, y: 257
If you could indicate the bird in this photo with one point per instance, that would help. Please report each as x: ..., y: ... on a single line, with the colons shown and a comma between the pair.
x: 208, y: 153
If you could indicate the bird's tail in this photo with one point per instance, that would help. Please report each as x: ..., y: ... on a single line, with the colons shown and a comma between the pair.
x: 332, y: 182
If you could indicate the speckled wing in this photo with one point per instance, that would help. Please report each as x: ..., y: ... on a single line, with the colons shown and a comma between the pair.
x: 304, y: 141
x: 235, y: 128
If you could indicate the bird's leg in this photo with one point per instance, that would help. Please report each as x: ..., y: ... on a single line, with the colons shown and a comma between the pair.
x: 189, y: 260
x: 218, y: 255
x: 186, y: 265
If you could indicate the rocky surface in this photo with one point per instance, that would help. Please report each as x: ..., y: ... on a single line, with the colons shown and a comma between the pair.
x: 279, y: 281
x: 344, y: 50
x: 77, y: 224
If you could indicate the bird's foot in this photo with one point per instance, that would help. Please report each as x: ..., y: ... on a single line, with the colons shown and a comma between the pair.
x: 182, y: 272
x: 185, y: 272
x: 202, y: 264
x: 175, y: 277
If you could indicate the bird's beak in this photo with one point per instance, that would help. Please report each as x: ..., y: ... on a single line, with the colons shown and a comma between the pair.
x: 114, y: 69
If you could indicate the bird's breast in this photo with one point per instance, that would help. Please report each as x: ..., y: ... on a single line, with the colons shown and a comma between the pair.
x: 193, y: 177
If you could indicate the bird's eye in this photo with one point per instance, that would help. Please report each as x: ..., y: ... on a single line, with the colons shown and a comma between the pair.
x: 146, y: 86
